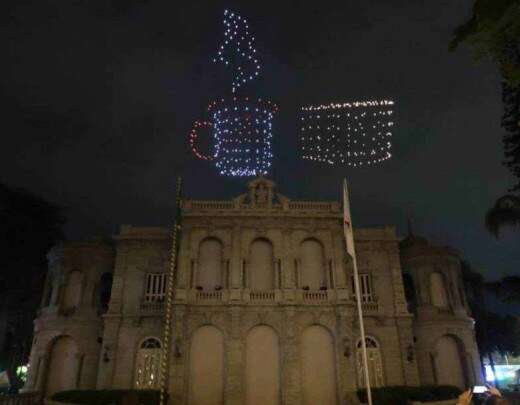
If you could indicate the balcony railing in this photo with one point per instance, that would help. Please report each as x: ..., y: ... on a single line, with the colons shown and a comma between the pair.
x: 152, y: 306
x: 26, y: 398
x: 370, y: 307
x: 209, y: 296
x: 315, y: 296
x: 261, y: 296
x: 311, y: 297
x: 313, y: 206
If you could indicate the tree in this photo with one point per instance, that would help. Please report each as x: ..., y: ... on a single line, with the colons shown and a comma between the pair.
x: 493, y: 31
x: 495, y: 333
x: 30, y: 226
x: 507, y: 288
x: 506, y: 211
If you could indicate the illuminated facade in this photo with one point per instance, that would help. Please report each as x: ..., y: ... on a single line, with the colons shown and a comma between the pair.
x: 264, y: 310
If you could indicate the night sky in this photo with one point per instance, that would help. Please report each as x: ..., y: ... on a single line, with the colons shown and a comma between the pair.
x: 98, y: 98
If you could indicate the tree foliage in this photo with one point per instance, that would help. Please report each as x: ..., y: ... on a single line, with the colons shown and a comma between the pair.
x: 507, y: 288
x: 506, y: 211
x: 493, y: 31
x: 30, y: 227
x: 495, y: 333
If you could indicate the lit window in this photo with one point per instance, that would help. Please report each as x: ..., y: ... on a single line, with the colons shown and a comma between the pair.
x: 148, y: 364
x: 365, y: 285
x: 155, y: 287
x: 375, y: 363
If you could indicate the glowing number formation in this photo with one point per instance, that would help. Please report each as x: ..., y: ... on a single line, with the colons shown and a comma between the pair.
x: 356, y: 134
x: 238, y: 51
x: 242, y: 136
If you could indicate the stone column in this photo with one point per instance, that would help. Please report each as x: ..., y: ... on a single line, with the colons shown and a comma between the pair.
x: 235, y: 267
x: 408, y: 352
x: 41, y: 373
x: 288, y: 269
x: 235, y: 360
x: 33, y: 373
x: 176, y: 375
x: 339, y: 253
x: 79, y: 369
x: 291, y: 384
x: 45, y: 296
x: 110, y: 342
x: 56, y: 286
x: 184, y: 262
x: 400, y: 304
x: 346, y: 351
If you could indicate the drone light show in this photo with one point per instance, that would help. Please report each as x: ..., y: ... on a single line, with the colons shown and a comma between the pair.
x: 356, y: 134
x: 237, y: 51
x: 240, y: 126
x: 242, y: 132
x: 194, y: 136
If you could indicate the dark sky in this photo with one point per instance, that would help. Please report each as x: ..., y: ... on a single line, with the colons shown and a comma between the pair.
x: 98, y: 98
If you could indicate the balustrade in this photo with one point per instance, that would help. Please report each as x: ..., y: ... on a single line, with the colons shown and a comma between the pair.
x: 26, y: 398
x: 209, y: 296
x: 152, y: 306
x: 261, y: 296
x: 315, y: 296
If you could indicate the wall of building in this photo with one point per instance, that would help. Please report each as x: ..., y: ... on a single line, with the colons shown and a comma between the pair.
x: 231, y: 327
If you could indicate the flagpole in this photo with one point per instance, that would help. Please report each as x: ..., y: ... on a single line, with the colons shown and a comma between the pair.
x: 168, y: 311
x: 349, y: 240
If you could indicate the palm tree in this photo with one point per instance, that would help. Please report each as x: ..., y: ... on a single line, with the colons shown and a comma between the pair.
x: 506, y: 211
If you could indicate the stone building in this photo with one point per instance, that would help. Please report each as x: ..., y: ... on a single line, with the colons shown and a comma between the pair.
x: 264, y: 308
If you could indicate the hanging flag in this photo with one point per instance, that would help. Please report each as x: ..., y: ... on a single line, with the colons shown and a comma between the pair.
x: 347, y: 222
x: 349, y: 240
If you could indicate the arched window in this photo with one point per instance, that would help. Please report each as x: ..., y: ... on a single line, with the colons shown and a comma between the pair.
x: 312, y: 265
x: 449, y: 368
x: 210, y: 264
x: 47, y: 292
x: 438, y: 290
x: 72, y: 295
x: 262, y: 366
x: 147, y: 364
x: 409, y: 291
x: 63, y: 368
x: 375, y: 363
x: 261, y: 271
x: 206, y: 367
x: 105, y: 289
x: 318, y: 366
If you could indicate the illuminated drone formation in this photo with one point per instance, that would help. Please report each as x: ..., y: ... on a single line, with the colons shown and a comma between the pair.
x: 194, y: 135
x: 242, y: 132
x: 238, y: 51
x: 241, y: 127
x: 357, y: 134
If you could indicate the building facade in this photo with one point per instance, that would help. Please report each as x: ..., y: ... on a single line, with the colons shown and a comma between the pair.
x: 264, y: 308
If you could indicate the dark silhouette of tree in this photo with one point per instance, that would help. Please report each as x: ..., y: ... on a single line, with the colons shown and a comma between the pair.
x: 30, y: 226
x: 506, y: 211
x: 493, y: 31
x: 495, y: 334
x: 507, y: 288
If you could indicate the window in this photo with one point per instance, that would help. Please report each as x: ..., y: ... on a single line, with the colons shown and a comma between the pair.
x: 72, y: 296
x: 365, y: 285
x: 210, y: 259
x: 438, y: 291
x: 375, y: 363
x: 312, y: 265
x: 155, y: 287
x: 147, y: 364
x: 261, y: 274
